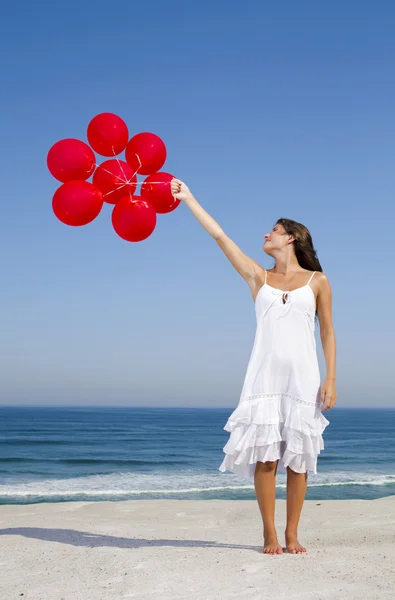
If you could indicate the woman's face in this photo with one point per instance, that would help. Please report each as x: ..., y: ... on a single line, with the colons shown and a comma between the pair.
x: 277, y: 239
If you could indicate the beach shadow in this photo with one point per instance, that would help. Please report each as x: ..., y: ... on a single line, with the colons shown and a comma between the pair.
x: 95, y: 540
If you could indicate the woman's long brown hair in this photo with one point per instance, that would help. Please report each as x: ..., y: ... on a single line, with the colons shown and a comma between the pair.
x: 304, y: 249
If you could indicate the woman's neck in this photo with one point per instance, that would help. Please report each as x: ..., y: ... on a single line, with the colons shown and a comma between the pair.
x: 286, y: 264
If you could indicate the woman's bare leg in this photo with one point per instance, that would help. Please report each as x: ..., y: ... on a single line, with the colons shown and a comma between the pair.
x: 296, y: 492
x: 265, y: 489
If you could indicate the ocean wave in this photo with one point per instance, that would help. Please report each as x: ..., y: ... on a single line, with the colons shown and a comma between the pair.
x: 90, y: 461
x: 131, y: 485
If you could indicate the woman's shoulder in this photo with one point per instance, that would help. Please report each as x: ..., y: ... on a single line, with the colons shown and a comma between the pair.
x: 320, y: 275
x: 320, y: 281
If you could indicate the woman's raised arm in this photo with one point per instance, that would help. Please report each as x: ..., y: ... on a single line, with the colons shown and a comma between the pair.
x: 248, y: 268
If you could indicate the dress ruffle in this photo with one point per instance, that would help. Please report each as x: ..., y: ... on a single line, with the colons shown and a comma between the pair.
x: 271, y: 427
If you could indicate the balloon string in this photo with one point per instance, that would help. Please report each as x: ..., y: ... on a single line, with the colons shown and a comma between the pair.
x: 126, y: 181
x: 120, y: 166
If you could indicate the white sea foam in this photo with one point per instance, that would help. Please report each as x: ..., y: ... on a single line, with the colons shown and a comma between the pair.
x: 131, y: 485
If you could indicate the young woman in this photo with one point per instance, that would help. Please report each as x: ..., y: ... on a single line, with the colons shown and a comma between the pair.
x: 279, y: 417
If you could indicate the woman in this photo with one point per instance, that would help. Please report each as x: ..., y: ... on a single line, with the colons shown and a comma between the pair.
x: 279, y: 418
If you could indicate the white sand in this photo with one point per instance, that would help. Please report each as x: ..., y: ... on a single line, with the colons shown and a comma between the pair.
x: 194, y: 550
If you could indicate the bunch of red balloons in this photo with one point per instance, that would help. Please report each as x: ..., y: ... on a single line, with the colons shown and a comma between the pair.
x: 78, y: 202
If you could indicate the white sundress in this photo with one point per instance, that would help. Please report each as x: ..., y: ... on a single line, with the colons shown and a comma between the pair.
x: 279, y: 412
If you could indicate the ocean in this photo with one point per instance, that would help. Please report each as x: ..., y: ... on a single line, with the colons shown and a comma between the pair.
x: 67, y: 454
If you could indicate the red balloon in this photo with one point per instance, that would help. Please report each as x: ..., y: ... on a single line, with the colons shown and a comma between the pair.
x: 115, y: 178
x: 77, y: 203
x: 108, y: 134
x: 133, y: 219
x: 71, y: 159
x: 156, y: 189
x: 146, y: 153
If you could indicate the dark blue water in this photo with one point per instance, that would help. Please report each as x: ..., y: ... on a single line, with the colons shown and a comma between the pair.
x: 70, y: 454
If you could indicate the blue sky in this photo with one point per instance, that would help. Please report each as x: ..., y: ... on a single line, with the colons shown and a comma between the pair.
x: 268, y: 110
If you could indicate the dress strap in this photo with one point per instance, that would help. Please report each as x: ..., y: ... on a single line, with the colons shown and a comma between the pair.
x: 311, y: 277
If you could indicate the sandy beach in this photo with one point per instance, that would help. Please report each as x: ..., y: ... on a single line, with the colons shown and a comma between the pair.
x: 194, y: 550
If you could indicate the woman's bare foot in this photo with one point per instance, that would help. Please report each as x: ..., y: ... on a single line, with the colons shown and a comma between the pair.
x: 292, y: 544
x: 272, y: 545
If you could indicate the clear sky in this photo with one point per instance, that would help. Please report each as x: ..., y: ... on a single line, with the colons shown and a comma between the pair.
x: 268, y: 110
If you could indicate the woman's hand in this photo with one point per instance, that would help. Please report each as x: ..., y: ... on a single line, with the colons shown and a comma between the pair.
x: 180, y: 190
x: 328, y: 393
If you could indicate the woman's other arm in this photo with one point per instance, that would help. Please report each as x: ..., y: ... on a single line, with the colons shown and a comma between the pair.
x: 328, y: 340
